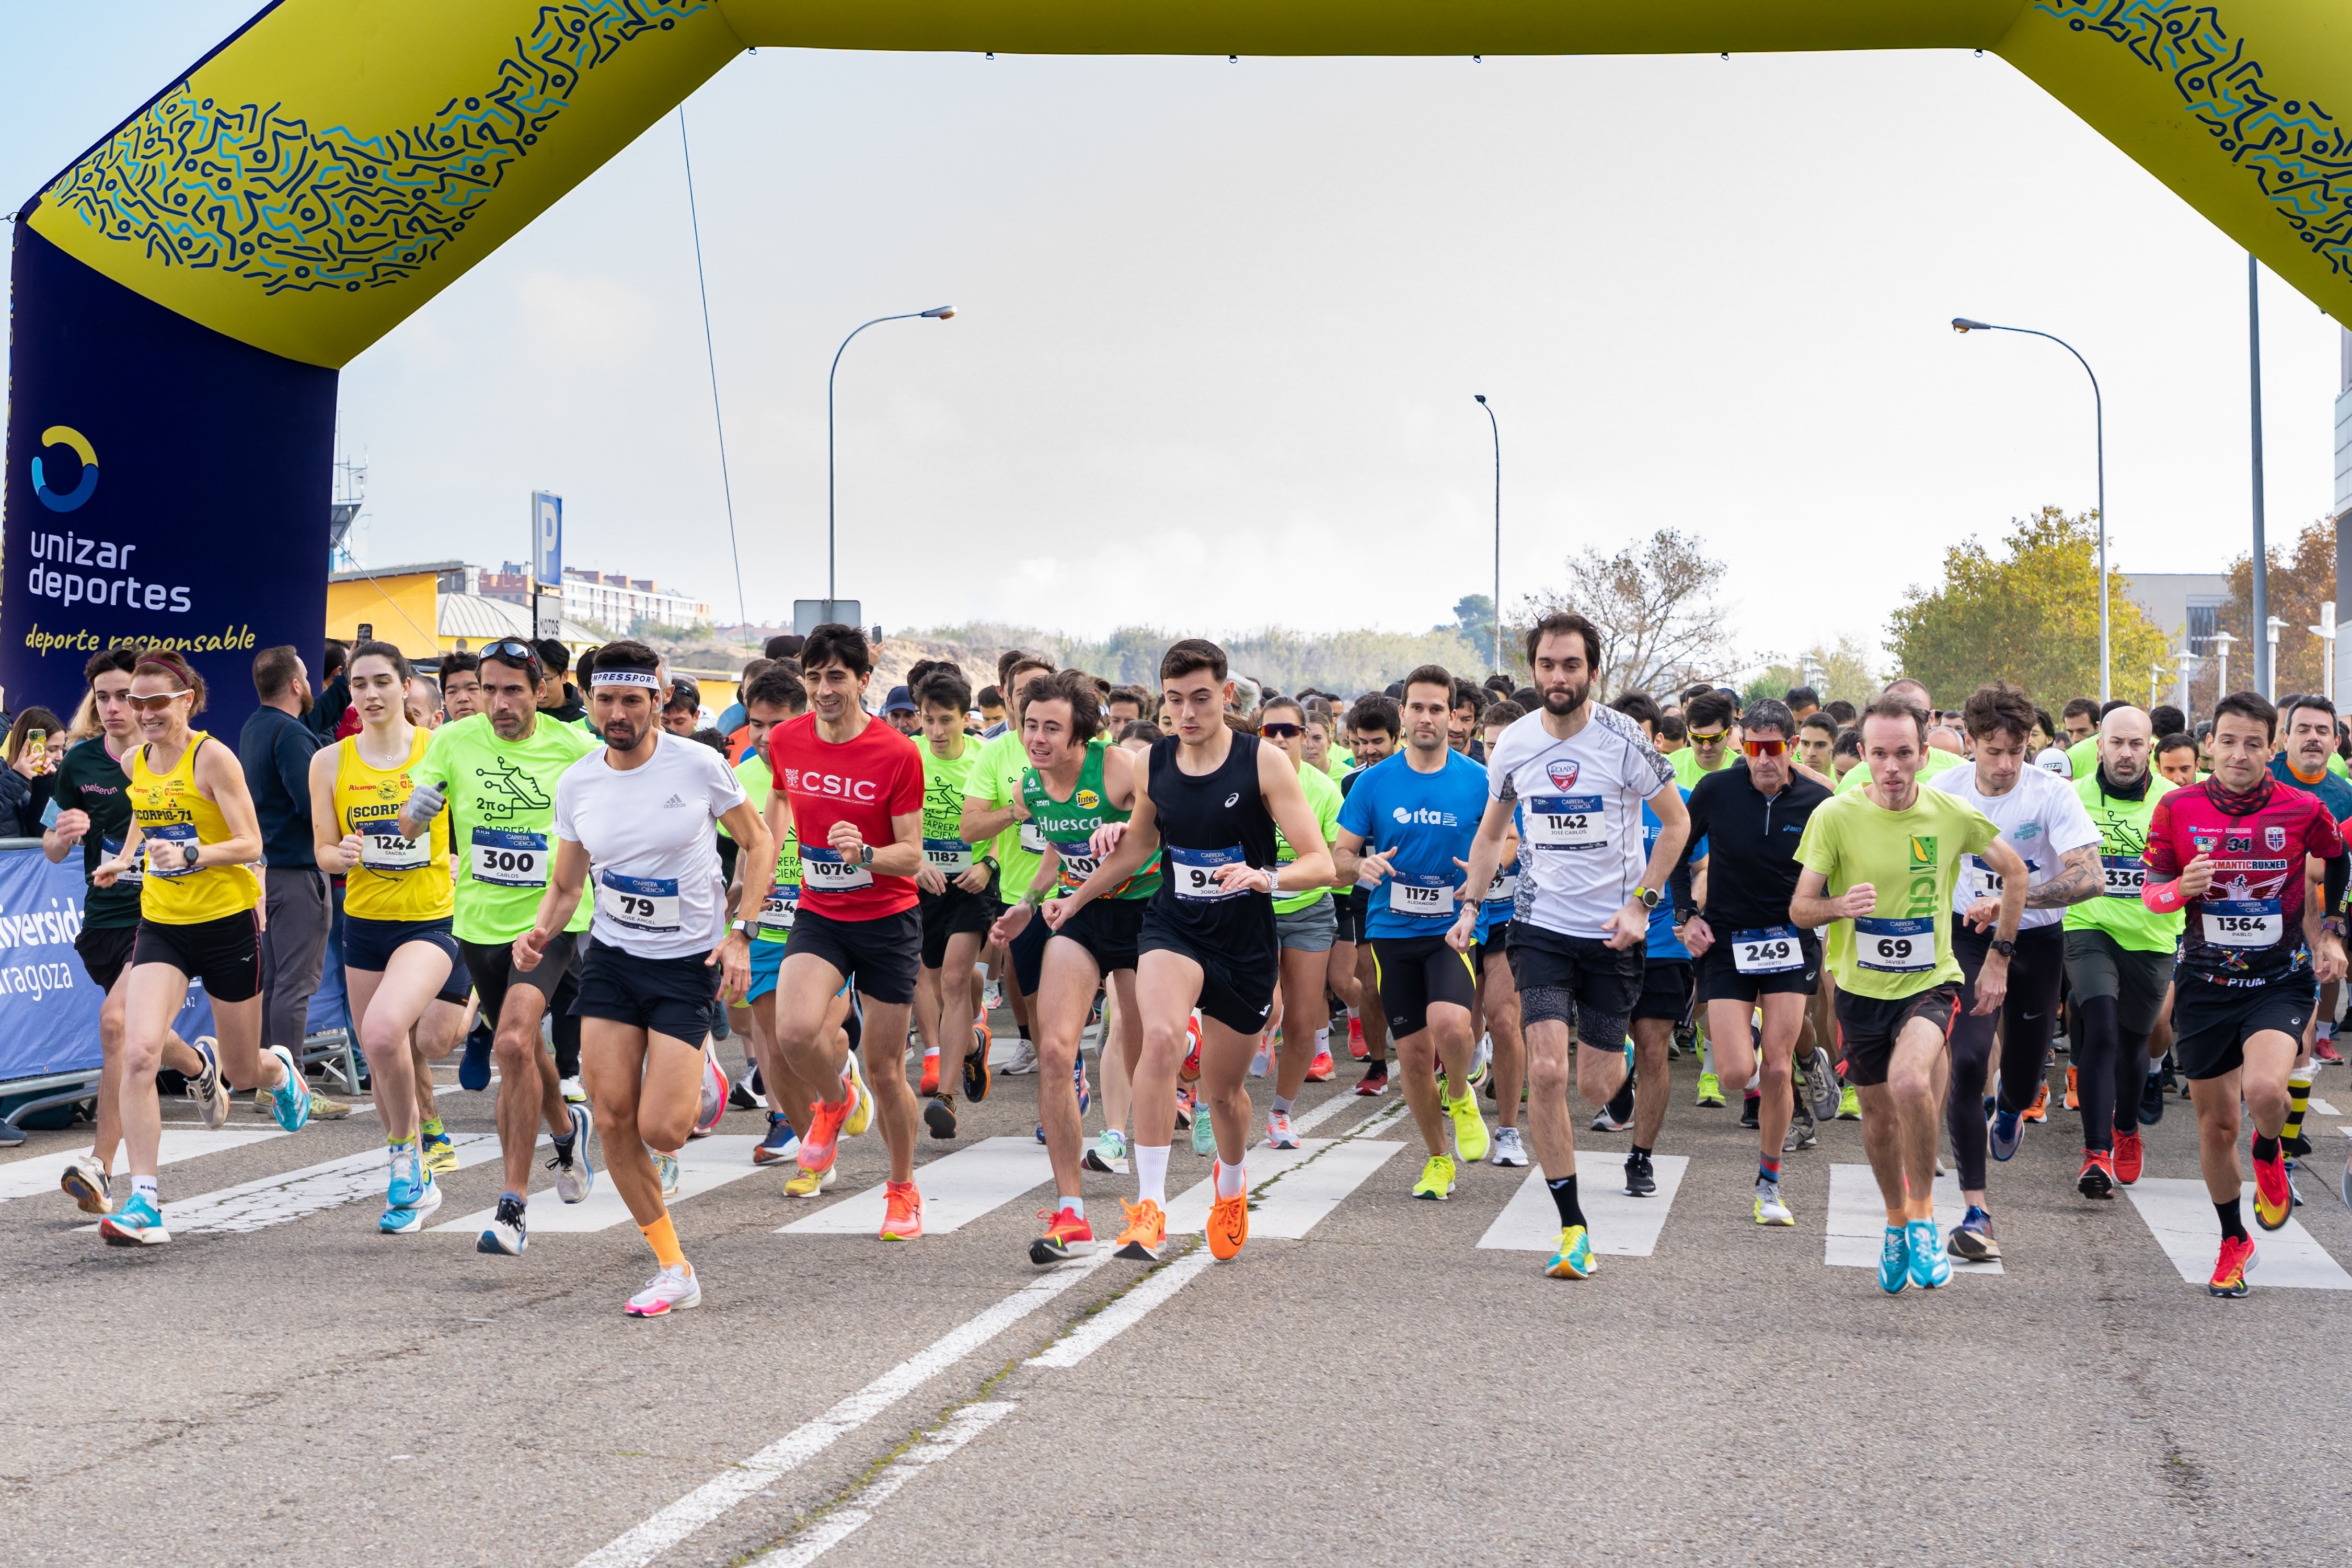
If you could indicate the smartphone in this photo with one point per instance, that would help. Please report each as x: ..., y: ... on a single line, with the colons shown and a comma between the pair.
x: 36, y: 746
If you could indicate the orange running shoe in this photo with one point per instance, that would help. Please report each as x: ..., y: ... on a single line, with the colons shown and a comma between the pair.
x: 2074, y: 1100
x: 2274, y: 1192
x: 822, y: 1142
x: 2040, y: 1109
x: 1191, y: 1067
x: 2098, y: 1178
x: 902, y: 1214
x: 1228, y: 1220
x: 2131, y: 1157
x: 2229, y: 1270
x: 1146, y: 1232
x: 930, y: 1084
x: 1067, y: 1236
x: 1355, y: 1046
x: 1319, y: 1071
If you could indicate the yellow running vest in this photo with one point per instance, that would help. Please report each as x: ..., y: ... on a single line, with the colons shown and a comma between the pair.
x: 396, y: 878
x: 169, y: 806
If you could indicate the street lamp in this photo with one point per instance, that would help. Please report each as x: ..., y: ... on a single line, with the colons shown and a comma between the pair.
x: 1499, y: 525
x: 2325, y: 632
x: 2099, y: 416
x: 2188, y: 662
x: 2272, y: 626
x: 2220, y: 644
x: 936, y: 313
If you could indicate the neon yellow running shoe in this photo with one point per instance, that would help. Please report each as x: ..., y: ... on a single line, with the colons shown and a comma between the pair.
x: 1574, y: 1260
x: 1436, y: 1182
x: 861, y: 1114
x: 440, y: 1154
x: 1849, y: 1105
x: 1710, y: 1092
x: 1470, y: 1140
x: 808, y: 1183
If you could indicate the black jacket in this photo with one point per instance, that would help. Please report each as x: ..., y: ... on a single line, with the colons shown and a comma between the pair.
x: 1751, y: 849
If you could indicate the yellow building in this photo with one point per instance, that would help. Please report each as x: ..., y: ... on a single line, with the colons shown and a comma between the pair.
x: 398, y: 603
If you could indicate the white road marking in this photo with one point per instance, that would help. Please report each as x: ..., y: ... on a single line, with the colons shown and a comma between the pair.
x: 1857, y: 1220
x: 1124, y: 1313
x: 956, y: 1190
x: 24, y: 1178
x: 681, y: 1519
x: 276, y: 1200
x: 703, y: 1164
x: 1291, y: 1209
x: 2321, y: 1108
x: 2180, y: 1215
x: 962, y: 1427
x: 1619, y: 1224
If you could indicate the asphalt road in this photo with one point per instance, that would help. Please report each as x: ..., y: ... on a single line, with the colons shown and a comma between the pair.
x: 292, y: 1387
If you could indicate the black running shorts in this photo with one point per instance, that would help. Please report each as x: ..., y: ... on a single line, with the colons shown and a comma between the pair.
x: 880, y: 955
x: 1666, y: 990
x: 1105, y: 928
x: 952, y: 913
x: 1869, y: 1025
x: 2211, y: 1023
x: 1720, y: 980
x: 669, y: 997
x: 1415, y: 972
x: 224, y: 953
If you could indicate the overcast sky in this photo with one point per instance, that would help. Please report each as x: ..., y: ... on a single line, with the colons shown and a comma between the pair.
x: 1219, y: 327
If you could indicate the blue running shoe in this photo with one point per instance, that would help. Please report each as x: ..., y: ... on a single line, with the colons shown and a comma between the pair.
x: 410, y: 1196
x: 135, y: 1224
x: 575, y: 1178
x: 781, y: 1144
x: 2005, y: 1132
x: 1078, y: 1077
x: 1573, y: 1259
x: 506, y: 1235
x: 474, y: 1067
x: 1895, y: 1260
x: 1930, y: 1266
x: 405, y: 1189
x: 290, y: 1100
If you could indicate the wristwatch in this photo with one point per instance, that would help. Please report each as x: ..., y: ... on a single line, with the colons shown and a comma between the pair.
x: 1649, y: 897
x: 2004, y: 946
x: 1685, y: 917
x: 865, y: 854
x: 742, y: 927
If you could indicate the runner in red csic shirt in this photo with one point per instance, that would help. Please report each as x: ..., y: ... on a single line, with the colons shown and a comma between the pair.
x: 2231, y: 853
x: 854, y: 788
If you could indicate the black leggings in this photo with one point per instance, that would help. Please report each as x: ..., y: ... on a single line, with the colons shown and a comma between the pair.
x: 2028, y: 1018
x: 2110, y: 1073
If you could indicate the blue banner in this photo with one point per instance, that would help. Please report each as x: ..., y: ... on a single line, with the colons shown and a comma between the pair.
x: 165, y: 484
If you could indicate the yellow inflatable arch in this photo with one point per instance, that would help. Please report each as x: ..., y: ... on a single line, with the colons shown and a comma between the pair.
x: 334, y: 164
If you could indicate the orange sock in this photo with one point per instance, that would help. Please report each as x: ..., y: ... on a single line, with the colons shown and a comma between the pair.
x: 662, y: 1237
x: 1921, y: 1208
x: 1898, y: 1214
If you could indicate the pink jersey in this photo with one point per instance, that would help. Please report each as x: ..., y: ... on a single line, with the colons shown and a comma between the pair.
x: 2248, y: 928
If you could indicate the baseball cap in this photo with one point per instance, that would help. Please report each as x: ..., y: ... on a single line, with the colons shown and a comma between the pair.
x: 898, y: 701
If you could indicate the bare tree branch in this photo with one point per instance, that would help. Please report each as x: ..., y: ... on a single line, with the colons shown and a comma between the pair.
x: 1656, y: 607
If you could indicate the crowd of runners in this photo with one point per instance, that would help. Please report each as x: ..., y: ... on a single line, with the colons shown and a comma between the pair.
x: 1480, y: 893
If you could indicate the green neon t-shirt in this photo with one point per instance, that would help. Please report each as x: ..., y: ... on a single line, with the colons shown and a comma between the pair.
x: 994, y: 781
x: 1910, y: 859
x: 1857, y: 778
x: 1323, y: 799
x: 1687, y: 772
x: 2083, y: 756
x: 775, y: 923
x: 2123, y: 846
x: 946, y: 781
x: 502, y: 819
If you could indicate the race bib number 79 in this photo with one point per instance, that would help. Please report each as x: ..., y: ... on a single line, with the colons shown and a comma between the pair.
x: 648, y: 904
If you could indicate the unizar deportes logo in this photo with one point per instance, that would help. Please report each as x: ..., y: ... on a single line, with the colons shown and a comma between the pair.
x: 65, y: 436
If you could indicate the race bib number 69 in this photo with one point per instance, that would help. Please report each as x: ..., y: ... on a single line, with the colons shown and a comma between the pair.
x: 1894, y: 947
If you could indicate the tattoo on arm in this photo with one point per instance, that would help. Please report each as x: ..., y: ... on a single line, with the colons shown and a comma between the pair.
x: 2079, y: 879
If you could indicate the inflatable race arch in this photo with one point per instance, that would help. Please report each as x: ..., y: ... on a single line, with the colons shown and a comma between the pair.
x: 186, y: 290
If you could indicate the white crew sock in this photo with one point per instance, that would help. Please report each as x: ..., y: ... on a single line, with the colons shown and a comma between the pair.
x: 1152, y: 1173
x: 1233, y: 1181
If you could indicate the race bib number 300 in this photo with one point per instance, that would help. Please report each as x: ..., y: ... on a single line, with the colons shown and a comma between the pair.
x: 1566, y: 821
x: 648, y: 904
x: 502, y: 860
x: 1894, y: 947
x: 1196, y: 873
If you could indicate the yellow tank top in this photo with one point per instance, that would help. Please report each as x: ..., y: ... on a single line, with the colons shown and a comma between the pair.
x: 396, y: 878
x: 169, y: 806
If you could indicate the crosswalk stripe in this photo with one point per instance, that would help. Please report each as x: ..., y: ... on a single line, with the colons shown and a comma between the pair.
x: 276, y: 1200
x: 2180, y: 1215
x: 2321, y: 1108
x: 1857, y: 1220
x: 1618, y: 1223
x: 24, y: 1178
x: 956, y: 1190
x: 702, y: 1164
x: 1310, y: 1187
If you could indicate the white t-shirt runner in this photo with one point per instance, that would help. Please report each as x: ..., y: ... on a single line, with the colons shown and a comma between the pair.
x: 1580, y: 802
x: 653, y: 856
x: 2041, y: 817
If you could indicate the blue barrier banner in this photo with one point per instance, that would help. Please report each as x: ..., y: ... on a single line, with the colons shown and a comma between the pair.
x: 165, y: 484
x: 49, y: 1008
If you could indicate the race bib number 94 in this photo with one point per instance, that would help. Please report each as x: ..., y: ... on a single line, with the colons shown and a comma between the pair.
x: 1894, y: 947
x: 1196, y: 873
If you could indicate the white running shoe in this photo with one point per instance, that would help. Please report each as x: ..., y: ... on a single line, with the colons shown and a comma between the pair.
x: 211, y: 1095
x: 575, y: 1181
x: 1279, y: 1134
x: 1262, y: 1063
x: 673, y: 1289
x: 665, y: 1172
x: 1021, y: 1061
x: 84, y: 1180
x: 1509, y: 1150
x: 572, y: 1093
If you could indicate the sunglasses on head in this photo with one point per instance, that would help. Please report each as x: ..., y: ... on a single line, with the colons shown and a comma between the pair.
x: 1764, y: 748
x: 511, y: 650
x: 1279, y: 731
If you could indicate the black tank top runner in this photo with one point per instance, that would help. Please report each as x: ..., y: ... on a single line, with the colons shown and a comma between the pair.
x: 1204, y: 822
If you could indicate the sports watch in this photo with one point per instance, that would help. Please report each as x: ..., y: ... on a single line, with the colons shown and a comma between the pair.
x: 2004, y: 946
x: 1649, y: 897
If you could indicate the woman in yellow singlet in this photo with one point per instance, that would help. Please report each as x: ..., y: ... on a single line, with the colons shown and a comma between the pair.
x: 192, y: 825
x: 401, y: 968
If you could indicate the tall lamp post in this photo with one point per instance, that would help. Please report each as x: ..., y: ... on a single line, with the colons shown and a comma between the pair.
x: 1497, y: 430
x: 2099, y: 416
x: 2218, y: 645
x: 2269, y: 672
x: 936, y: 313
x: 2325, y: 632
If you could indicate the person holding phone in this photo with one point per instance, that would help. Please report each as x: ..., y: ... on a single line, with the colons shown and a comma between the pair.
x: 32, y: 756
